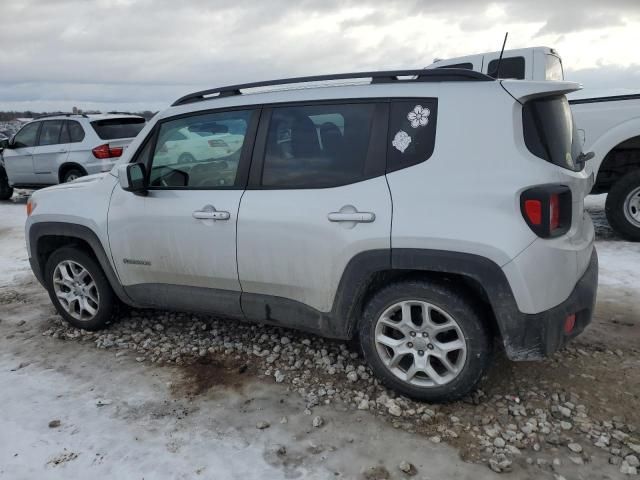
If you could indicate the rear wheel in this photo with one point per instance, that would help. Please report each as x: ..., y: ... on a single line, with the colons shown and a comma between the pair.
x: 72, y: 174
x: 6, y: 192
x: 425, y: 340
x: 79, y: 289
x: 623, y: 206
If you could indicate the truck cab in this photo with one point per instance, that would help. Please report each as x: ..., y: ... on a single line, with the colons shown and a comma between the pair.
x: 536, y: 63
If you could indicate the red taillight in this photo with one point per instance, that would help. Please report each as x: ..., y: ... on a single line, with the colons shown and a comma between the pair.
x: 533, y: 211
x: 569, y: 323
x: 105, y: 151
x: 554, y: 211
x: 547, y: 209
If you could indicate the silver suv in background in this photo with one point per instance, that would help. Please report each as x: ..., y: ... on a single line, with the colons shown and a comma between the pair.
x: 62, y: 147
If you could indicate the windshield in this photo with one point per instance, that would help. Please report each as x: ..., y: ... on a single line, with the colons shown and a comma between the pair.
x: 550, y: 133
x: 553, y: 69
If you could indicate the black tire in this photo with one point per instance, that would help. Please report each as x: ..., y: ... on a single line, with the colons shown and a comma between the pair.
x: 617, y: 203
x: 186, y: 158
x: 72, y: 174
x: 464, y: 311
x: 107, y: 300
x: 6, y: 192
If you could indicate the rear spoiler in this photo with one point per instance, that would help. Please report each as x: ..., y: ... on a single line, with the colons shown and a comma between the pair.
x: 524, y: 90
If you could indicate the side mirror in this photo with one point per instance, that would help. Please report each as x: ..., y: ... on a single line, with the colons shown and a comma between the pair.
x: 4, y: 143
x: 132, y: 177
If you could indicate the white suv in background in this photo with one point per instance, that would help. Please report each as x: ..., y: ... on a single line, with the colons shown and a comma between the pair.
x: 428, y: 213
x: 62, y: 147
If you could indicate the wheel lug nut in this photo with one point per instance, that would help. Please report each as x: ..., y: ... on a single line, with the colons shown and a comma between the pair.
x: 425, y: 334
x: 421, y: 352
x: 413, y: 334
x: 410, y: 345
x: 430, y: 346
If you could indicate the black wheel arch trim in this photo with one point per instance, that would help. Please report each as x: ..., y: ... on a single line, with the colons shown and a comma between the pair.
x: 39, y: 230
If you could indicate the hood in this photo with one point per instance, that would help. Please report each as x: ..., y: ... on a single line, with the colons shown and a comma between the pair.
x: 78, y: 182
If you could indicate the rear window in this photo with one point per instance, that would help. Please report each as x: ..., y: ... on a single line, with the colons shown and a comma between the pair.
x: 512, y: 67
x: 553, y: 70
x: 113, y: 128
x: 550, y: 133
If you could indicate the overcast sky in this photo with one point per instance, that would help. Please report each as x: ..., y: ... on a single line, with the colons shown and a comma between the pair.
x: 143, y: 54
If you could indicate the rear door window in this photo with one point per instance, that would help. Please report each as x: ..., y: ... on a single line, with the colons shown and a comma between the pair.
x: 50, y: 133
x: 512, y: 67
x: 317, y: 146
x: 550, y: 133
x: 114, y: 128
x: 412, y: 132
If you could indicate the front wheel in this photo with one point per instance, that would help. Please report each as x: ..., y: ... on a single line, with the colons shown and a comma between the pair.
x: 425, y: 340
x: 79, y: 289
x: 6, y: 192
x: 623, y: 206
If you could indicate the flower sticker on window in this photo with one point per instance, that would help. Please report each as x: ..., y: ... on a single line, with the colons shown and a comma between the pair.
x: 419, y: 116
x: 401, y: 141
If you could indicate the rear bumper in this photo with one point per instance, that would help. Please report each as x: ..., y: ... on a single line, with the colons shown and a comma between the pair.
x: 535, y: 336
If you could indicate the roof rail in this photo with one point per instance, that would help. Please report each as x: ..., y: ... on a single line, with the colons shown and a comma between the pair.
x: 391, y: 76
x: 60, y: 114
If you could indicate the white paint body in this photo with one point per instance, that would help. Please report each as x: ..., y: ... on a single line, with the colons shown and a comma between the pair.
x: 464, y: 198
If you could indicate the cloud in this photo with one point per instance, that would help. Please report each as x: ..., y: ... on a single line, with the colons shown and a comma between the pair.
x: 609, y: 80
x: 117, y: 53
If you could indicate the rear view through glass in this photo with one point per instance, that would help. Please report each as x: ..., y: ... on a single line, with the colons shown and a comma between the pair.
x: 113, y: 128
x: 549, y: 131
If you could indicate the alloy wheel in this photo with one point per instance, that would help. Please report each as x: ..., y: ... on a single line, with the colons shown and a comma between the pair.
x: 420, y: 343
x: 76, y: 290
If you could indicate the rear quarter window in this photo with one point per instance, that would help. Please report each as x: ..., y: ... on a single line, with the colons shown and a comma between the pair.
x: 113, y: 128
x: 412, y: 132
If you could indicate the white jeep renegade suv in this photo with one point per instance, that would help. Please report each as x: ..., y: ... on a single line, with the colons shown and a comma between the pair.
x: 426, y: 212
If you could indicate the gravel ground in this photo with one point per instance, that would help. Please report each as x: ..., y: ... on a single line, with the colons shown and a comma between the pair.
x: 577, y: 408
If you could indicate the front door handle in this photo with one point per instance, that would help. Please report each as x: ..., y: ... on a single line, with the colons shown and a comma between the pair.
x: 209, y: 212
x: 350, y: 214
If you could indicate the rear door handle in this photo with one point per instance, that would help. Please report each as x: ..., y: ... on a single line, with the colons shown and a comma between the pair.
x: 359, y: 217
x: 209, y: 212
